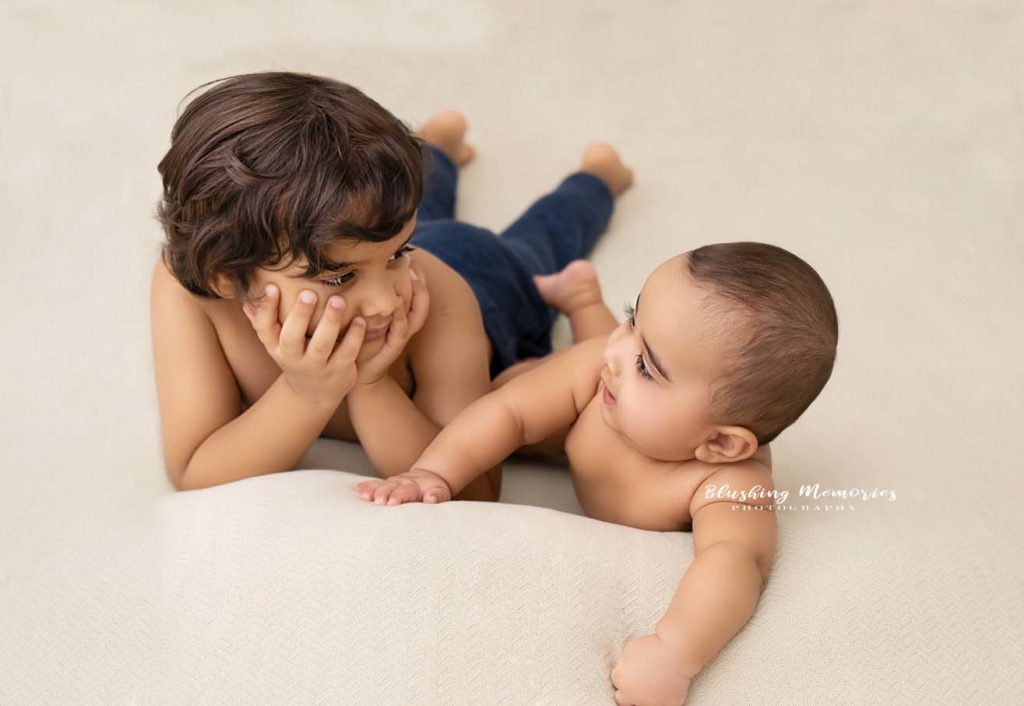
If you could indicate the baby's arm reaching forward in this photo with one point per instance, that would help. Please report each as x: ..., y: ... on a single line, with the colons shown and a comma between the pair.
x: 734, y: 542
x: 529, y: 408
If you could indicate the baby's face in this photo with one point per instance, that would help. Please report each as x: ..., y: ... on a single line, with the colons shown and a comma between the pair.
x: 658, y: 368
x: 375, y: 275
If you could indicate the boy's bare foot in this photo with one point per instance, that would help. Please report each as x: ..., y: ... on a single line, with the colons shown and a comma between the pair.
x: 603, y: 161
x: 574, y: 287
x: 447, y: 132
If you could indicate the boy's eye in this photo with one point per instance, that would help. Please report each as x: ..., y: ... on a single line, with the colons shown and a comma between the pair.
x: 641, y: 366
x: 340, y: 279
x: 347, y: 277
x: 402, y: 252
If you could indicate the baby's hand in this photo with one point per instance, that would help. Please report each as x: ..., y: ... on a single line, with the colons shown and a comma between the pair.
x: 417, y: 485
x: 649, y: 673
x: 404, y: 325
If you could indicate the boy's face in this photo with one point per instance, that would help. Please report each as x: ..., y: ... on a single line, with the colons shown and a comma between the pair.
x: 665, y: 416
x: 375, y: 275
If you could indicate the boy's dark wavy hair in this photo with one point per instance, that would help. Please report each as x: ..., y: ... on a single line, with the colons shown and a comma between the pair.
x: 779, y: 357
x: 269, y: 168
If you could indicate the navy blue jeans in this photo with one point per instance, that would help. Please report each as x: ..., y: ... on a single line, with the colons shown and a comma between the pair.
x: 557, y: 229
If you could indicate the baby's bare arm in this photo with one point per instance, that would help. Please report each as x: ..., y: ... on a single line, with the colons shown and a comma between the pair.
x: 529, y: 408
x: 733, y: 550
x: 449, y: 362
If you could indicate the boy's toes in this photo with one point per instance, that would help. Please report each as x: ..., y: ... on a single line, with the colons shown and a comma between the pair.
x: 447, y: 132
x: 603, y: 161
x: 465, y: 155
x: 574, y: 285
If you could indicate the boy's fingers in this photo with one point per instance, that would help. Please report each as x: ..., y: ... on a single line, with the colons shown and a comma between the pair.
x: 420, y: 305
x: 350, y: 343
x: 399, y: 324
x: 293, y: 332
x: 326, y: 334
x: 265, y: 312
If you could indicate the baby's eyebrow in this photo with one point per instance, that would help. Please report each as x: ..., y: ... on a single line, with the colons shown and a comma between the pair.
x: 329, y: 265
x: 647, y: 347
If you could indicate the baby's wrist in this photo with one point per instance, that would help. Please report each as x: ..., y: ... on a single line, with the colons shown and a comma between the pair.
x: 677, y: 644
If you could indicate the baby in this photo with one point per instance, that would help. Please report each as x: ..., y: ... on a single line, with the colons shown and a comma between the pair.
x: 725, y: 347
x: 315, y: 282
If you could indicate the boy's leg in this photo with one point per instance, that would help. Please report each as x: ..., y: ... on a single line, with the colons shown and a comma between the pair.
x: 576, y: 293
x: 444, y: 151
x: 439, y: 184
x: 559, y: 229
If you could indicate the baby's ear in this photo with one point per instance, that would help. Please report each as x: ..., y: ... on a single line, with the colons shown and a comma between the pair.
x: 727, y: 445
x: 223, y: 286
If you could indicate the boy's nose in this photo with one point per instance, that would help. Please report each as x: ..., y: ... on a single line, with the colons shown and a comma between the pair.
x: 379, y: 306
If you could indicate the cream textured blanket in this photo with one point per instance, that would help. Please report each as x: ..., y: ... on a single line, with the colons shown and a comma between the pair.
x: 881, y: 141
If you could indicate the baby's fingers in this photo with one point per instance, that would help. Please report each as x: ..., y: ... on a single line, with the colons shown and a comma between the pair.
x: 366, y: 488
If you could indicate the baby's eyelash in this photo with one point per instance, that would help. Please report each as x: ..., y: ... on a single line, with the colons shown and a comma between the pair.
x: 642, y: 367
x: 630, y: 313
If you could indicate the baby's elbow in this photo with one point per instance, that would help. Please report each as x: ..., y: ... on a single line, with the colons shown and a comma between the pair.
x: 746, y: 555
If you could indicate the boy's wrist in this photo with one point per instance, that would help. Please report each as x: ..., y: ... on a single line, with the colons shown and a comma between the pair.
x: 320, y: 403
x: 371, y: 385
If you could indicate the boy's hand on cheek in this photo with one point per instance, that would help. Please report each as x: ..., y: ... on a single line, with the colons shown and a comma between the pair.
x: 650, y: 673
x: 417, y: 485
x: 322, y: 369
x: 404, y: 325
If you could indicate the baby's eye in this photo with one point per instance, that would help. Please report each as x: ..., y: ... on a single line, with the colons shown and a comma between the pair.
x: 641, y: 366
x: 630, y: 314
x: 402, y: 252
x: 340, y: 279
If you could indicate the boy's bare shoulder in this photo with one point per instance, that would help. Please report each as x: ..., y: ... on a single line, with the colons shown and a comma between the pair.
x: 164, y: 285
x: 454, y: 312
x: 196, y: 388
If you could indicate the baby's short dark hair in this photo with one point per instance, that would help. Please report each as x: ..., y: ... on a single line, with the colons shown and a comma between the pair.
x: 266, y: 168
x: 782, y: 352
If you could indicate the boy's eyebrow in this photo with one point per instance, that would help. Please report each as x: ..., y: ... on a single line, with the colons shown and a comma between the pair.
x: 329, y: 265
x: 647, y: 347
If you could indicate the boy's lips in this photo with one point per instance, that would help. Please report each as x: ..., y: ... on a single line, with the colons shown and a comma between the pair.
x: 373, y: 334
x: 370, y: 335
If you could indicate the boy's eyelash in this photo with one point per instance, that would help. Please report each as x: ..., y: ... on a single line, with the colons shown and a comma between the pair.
x: 347, y: 277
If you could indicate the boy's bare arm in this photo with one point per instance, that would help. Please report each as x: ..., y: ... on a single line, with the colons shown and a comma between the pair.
x: 529, y: 408
x: 207, y: 439
x: 390, y: 427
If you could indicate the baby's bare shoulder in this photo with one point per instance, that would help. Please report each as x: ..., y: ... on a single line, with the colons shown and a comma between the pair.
x: 747, y: 482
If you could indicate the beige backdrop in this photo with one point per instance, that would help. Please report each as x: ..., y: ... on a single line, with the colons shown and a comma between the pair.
x: 883, y: 142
